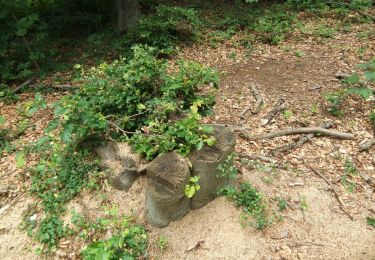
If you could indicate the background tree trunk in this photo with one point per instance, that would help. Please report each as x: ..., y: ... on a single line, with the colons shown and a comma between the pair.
x: 128, y: 13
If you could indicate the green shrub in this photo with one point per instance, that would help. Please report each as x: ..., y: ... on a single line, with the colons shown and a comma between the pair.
x: 251, y: 202
x: 165, y: 28
x: 130, y: 243
x: 139, y: 98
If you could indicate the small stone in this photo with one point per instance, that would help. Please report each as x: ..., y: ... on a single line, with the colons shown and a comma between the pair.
x: 284, y: 234
x: 33, y: 217
x: 285, y: 252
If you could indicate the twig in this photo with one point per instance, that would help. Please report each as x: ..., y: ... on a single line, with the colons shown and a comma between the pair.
x: 364, y: 146
x: 276, y: 109
x: 258, y: 98
x: 243, y: 113
x: 331, y: 187
x: 302, y: 130
x: 119, y: 128
x: 315, y: 88
x: 13, y: 202
x: 303, y: 139
x: 25, y: 84
x: 198, y: 244
x: 257, y: 157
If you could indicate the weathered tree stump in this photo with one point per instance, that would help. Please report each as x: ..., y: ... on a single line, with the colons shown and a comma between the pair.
x: 167, y: 177
x: 205, y: 164
x: 125, y: 164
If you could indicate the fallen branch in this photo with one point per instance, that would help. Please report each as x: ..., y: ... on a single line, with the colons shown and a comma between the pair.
x: 243, y: 113
x: 302, y: 130
x: 25, y: 84
x: 332, y: 188
x: 303, y: 139
x: 364, y: 146
x: 276, y: 109
x: 257, y: 157
x: 258, y: 98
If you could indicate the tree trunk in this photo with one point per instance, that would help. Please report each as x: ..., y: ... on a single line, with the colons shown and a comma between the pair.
x: 128, y: 13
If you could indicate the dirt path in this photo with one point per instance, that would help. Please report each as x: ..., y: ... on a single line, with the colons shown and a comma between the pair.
x: 318, y: 231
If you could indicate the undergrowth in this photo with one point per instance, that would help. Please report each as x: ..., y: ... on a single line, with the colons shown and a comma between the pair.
x: 251, y: 202
x: 128, y: 240
x: 136, y: 101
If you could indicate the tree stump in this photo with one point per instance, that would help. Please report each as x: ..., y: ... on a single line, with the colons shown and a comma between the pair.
x: 124, y: 163
x: 167, y: 177
x: 205, y: 164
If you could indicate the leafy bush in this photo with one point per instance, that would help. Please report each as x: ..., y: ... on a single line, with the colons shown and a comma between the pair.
x: 137, y: 101
x: 353, y: 86
x: 139, y: 98
x: 127, y: 241
x: 165, y: 28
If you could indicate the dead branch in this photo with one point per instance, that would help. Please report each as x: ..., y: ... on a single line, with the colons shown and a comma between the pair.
x: 332, y: 188
x: 25, y: 84
x: 315, y: 88
x: 276, y: 109
x: 302, y: 130
x: 364, y: 146
x: 243, y: 113
x: 303, y: 139
x: 258, y: 98
x: 257, y: 157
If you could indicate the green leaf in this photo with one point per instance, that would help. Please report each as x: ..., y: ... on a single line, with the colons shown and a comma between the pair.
x: 141, y: 107
x: 363, y: 92
x: 189, y: 191
x: 370, y: 75
x: 371, y: 221
x: 20, y: 160
x: 2, y: 120
x: 21, y: 32
x: 352, y: 79
x: 211, y: 141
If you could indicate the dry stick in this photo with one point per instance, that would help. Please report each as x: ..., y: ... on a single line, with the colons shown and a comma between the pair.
x: 257, y: 157
x: 25, y: 84
x: 243, y: 113
x: 302, y: 130
x: 258, y: 98
x: 303, y: 139
x: 331, y: 187
x: 366, y: 145
x: 276, y: 109
x: 13, y: 202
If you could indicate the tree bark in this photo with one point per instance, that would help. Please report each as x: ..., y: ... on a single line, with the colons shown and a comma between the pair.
x: 128, y: 13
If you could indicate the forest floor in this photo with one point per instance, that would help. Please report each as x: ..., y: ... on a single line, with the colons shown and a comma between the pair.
x: 312, y: 226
